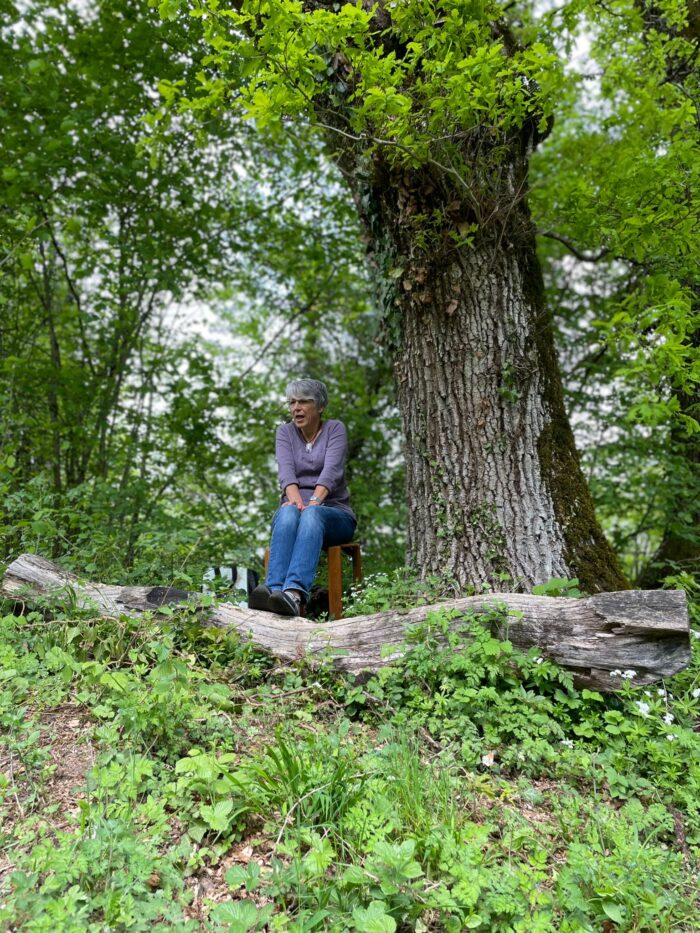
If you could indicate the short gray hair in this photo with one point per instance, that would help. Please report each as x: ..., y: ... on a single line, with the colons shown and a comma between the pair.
x: 308, y: 388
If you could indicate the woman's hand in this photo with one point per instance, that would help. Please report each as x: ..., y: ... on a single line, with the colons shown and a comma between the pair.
x: 294, y: 497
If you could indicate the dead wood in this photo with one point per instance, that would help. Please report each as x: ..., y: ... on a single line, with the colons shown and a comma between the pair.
x: 645, y: 631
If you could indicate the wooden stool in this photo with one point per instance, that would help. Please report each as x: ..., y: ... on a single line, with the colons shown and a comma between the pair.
x: 335, y: 573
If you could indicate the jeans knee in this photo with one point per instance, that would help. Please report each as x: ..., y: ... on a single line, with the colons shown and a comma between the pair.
x: 311, y: 518
x: 287, y: 518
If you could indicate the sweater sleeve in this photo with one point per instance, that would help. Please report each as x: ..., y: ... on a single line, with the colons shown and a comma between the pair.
x: 334, y: 463
x: 285, y: 457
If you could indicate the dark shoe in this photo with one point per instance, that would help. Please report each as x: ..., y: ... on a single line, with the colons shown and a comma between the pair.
x: 260, y: 598
x: 285, y: 603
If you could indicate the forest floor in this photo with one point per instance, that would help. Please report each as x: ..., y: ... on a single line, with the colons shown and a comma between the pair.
x: 154, y: 775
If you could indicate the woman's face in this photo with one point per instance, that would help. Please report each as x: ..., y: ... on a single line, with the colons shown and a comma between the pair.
x: 306, y: 414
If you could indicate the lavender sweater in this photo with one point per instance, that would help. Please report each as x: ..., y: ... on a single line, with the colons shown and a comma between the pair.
x: 324, y: 465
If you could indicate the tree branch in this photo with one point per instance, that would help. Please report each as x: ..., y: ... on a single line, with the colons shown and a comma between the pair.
x: 574, y: 250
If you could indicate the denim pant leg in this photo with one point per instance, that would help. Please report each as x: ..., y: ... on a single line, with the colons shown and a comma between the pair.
x: 319, y: 526
x: 284, y: 532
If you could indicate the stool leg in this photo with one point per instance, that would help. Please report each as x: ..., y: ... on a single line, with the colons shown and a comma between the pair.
x: 335, y: 583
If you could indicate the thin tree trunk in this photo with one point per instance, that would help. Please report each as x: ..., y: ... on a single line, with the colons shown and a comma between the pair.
x: 56, y: 366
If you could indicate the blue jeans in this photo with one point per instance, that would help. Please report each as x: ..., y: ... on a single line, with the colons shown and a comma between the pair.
x: 297, y: 539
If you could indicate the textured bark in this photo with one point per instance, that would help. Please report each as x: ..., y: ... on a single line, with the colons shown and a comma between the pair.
x: 646, y: 632
x: 494, y: 486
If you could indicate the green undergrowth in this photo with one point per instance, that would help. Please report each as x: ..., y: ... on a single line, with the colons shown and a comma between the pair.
x: 468, y: 786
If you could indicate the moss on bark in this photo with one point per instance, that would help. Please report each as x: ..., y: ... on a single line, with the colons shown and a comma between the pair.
x: 587, y: 551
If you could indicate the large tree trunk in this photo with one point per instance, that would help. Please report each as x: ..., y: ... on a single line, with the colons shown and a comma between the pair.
x: 494, y: 487
x: 598, y: 638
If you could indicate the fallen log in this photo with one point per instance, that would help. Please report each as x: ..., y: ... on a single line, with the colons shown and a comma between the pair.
x: 645, y: 631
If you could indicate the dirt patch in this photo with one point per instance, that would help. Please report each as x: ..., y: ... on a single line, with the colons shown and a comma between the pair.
x: 209, y: 886
x: 65, y: 734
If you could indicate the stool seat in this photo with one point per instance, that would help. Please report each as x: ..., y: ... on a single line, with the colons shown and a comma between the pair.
x: 335, y: 573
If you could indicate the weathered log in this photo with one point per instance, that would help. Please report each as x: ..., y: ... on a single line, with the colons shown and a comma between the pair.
x: 633, y: 630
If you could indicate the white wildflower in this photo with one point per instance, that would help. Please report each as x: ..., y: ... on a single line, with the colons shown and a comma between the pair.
x: 694, y: 633
x: 568, y: 742
x: 661, y: 692
x: 670, y: 737
x: 643, y: 708
x: 628, y: 675
x: 539, y: 660
x: 616, y: 673
x: 696, y: 693
x: 668, y: 718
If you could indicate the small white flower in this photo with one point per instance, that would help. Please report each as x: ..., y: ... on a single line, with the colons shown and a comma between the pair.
x: 616, y: 673
x: 568, y: 742
x: 694, y: 633
x: 668, y: 718
x: 628, y: 675
x: 661, y: 693
x: 647, y: 693
x: 539, y: 660
x: 696, y: 693
x: 670, y: 737
x: 643, y: 708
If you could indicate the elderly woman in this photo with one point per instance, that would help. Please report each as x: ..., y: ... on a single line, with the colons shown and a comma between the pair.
x: 315, y: 509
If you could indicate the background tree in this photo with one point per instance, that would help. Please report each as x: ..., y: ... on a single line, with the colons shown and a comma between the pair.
x: 616, y: 191
x: 130, y: 445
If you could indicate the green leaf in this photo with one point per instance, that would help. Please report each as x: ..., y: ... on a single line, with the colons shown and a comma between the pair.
x: 169, y: 9
x: 373, y: 919
x: 239, y: 916
x: 354, y: 875
x: 614, y: 911
x: 236, y: 876
x: 218, y: 816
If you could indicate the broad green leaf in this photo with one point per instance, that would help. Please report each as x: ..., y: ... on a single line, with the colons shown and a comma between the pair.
x: 218, y: 816
x: 373, y: 919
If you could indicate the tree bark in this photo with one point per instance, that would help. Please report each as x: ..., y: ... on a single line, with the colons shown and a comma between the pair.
x: 494, y: 486
x: 644, y: 632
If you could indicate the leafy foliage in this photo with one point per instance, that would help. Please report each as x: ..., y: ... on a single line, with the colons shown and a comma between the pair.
x: 131, y: 446
x: 614, y: 195
x: 469, y: 786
